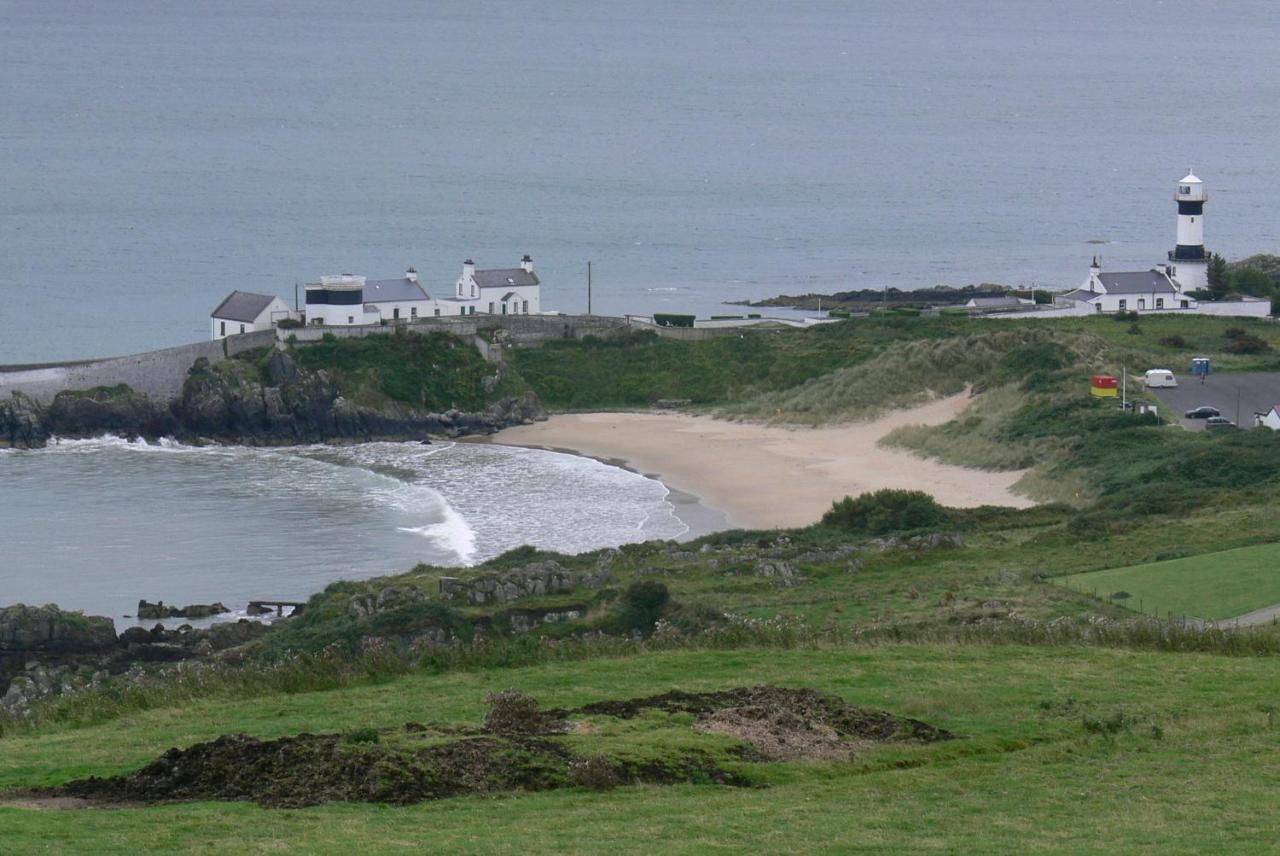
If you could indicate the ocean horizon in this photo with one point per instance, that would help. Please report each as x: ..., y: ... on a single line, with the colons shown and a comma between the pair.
x: 156, y: 157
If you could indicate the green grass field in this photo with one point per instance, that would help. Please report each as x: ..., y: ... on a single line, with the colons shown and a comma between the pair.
x: 1215, y: 585
x: 1181, y: 776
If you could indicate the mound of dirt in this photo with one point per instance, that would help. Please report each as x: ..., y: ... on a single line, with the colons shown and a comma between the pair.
x: 311, y: 769
x: 518, y: 748
x: 780, y: 722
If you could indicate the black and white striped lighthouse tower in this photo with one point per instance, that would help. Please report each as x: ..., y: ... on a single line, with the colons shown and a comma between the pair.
x: 1188, y: 261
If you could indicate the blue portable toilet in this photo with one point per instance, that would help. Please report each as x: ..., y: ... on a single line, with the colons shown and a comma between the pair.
x: 1200, y: 366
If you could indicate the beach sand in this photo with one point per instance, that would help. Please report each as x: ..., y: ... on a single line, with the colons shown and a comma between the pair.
x: 764, y: 476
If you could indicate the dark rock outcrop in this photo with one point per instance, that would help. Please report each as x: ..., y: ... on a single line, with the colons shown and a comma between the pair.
x: 48, y: 628
x: 230, y: 403
x: 150, y: 611
x: 532, y: 580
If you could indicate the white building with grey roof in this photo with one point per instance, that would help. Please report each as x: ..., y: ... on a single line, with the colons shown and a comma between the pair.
x: 245, y: 312
x: 496, y: 291
x: 1128, y: 291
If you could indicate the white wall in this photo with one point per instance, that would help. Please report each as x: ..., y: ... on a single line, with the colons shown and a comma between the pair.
x: 275, y: 310
x: 523, y: 294
x: 409, y: 310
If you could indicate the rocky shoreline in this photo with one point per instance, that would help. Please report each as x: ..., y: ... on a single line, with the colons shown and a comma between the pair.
x: 47, y: 651
x: 292, y: 406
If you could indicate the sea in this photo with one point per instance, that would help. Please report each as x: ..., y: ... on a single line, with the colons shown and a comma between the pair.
x: 156, y: 155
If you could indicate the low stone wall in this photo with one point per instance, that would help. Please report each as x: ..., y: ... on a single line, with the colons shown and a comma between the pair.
x: 159, y: 374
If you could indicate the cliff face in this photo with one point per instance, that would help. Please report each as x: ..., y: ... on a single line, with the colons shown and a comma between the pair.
x: 292, y: 405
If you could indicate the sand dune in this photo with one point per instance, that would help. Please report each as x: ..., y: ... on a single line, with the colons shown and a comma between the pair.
x: 765, y: 476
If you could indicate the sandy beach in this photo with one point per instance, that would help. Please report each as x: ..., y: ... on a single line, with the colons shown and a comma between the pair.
x: 763, y: 476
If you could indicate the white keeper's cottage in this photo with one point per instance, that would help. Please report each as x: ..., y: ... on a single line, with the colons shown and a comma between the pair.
x: 245, y: 312
x: 496, y: 291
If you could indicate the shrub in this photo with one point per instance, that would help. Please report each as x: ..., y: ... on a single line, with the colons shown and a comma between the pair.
x: 1134, y: 329
x: 595, y: 772
x: 886, y: 511
x: 288, y: 323
x: 642, y: 603
x: 1126, y: 316
x: 1174, y: 341
x: 1247, y: 343
x: 1234, y: 332
x: 514, y: 712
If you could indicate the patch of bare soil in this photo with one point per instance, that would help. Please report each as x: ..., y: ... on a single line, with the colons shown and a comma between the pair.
x: 783, y: 724
x: 518, y: 748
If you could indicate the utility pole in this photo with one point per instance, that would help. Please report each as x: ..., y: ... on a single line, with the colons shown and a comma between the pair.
x: 588, y: 288
x: 1124, y: 388
x: 1237, y: 407
x: 296, y: 307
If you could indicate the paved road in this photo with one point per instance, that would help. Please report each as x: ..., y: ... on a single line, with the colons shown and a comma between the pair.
x: 1257, y: 392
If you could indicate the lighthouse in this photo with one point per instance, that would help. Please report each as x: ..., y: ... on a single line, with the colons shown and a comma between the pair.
x: 1188, y: 261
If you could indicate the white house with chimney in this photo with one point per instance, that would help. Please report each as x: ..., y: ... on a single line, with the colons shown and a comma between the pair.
x: 245, y: 312
x: 348, y: 300
x: 1127, y: 291
x: 495, y: 291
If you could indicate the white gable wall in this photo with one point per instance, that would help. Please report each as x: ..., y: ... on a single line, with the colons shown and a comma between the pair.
x: 276, y: 310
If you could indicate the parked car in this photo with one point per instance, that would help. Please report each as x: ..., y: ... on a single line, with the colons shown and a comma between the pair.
x: 1218, y: 422
x: 1202, y: 412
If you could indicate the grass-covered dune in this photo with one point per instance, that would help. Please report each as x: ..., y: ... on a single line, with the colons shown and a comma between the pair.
x: 1058, y: 750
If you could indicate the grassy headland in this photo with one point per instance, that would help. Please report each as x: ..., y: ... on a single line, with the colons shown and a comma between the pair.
x: 1081, y: 726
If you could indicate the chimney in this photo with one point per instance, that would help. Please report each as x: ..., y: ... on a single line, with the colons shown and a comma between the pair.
x: 526, y: 264
x: 468, y: 269
x: 411, y: 274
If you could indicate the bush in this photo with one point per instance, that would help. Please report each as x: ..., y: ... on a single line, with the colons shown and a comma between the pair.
x: 886, y: 511
x: 1174, y: 341
x: 1234, y: 332
x: 642, y: 604
x: 1247, y: 343
x: 666, y: 319
x: 1126, y: 316
x: 288, y: 323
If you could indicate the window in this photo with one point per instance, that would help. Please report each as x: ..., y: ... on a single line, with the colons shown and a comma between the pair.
x: 241, y: 328
x: 473, y: 310
x: 1123, y: 305
x: 1142, y: 304
x: 222, y: 328
x: 1159, y: 303
x: 1185, y: 189
x: 1193, y: 219
x: 413, y: 312
x: 1097, y: 306
x: 462, y: 310
x: 351, y: 319
x: 1185, y: 305
x: 490, y: 307
x: 526, y: 307
x: 437, y: 311
x: 395, y: 314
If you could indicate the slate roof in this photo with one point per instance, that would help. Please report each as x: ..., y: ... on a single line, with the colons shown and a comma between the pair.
x: 386, y: 290
x: 1137, y: 282
x: 505, y: 278
x: 242, y: 306
x: 1081, y: 294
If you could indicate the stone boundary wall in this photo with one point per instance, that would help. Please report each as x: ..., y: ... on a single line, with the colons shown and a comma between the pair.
x: 159, y: 374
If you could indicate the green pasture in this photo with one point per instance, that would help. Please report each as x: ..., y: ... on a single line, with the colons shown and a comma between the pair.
x: 1214, y: 585
x: 1177, y: 772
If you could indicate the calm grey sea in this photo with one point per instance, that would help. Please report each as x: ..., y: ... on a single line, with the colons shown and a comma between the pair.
x: 155, y: 155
